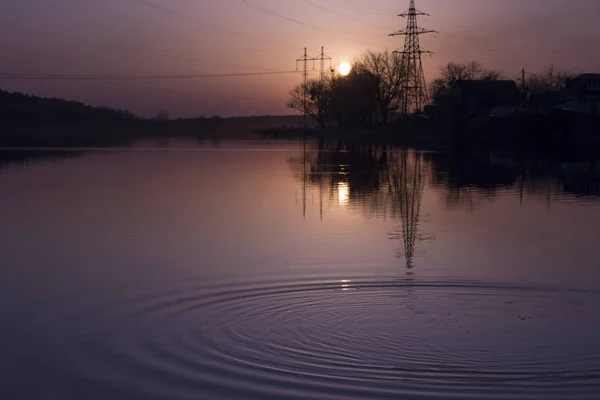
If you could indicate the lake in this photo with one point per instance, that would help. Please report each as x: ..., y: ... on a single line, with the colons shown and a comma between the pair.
x: 297, y: 270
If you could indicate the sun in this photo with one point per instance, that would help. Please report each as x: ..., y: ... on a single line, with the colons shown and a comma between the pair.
x: 344, y: 68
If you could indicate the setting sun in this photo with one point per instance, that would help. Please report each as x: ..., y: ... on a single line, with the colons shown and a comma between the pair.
x: 344, y: 69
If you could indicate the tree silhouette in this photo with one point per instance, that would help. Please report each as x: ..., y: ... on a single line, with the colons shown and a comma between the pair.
x: 318, y: 99
x: 19, y: 107
x: 366, y: 95
x: 387, y: 70
x: 452, y: 73
x: 548, y: 81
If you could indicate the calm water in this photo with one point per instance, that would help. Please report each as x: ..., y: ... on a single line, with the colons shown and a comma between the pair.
x: 266, y: 270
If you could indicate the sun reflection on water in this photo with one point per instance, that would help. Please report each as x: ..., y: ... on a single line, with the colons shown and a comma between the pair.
x: 345, y: 284
x: 343, y: 193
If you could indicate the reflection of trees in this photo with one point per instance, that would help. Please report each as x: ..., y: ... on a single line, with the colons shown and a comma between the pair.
x: 24, y: 158
x: 362, y: 170
x: 387, y: 182
x: 465, y: 177
x: 469, y: 178
x: 380, y: 181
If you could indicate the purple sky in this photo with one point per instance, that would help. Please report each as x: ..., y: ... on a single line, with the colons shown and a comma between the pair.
x: 127, y: 37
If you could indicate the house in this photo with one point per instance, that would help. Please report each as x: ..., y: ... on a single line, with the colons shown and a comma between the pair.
x: 540, y: 104
x: 582, y: 95
x: 487, y: 98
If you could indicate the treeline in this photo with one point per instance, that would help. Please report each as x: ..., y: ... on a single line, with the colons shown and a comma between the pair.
x: 367, y: 95
x: 371, y: 93
x: 549, y: 80
x: 32, y: 121
x: 24, y: 108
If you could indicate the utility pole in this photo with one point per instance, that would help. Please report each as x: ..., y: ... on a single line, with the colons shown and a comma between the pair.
x: 413, y: 85
x: 523, y: 80
x: 304, y: 61
x: 322, y: 58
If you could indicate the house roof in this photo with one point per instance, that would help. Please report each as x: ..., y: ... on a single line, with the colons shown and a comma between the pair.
x: 499, y: 92
x: 588, y: 76
x: 576, y: 85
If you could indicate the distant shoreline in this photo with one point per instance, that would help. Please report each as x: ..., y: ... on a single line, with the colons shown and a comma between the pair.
x: 551, y: 135
x: 547, y: 134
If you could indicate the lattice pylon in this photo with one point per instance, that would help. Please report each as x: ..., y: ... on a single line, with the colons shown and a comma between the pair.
x: 304, y: 62
x: 322, y: 58
x: 413, y: 86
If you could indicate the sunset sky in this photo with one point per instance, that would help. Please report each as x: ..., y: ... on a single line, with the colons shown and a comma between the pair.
x: 183, y: 37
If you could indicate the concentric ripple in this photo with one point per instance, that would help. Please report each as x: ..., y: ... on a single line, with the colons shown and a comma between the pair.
x: 366, y: 339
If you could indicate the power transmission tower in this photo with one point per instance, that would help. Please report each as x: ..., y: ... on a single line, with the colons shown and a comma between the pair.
x: 413, y: 86
x: 322, y: 58
x: 304, y: 61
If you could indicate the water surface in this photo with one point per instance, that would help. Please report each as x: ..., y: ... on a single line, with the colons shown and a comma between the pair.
x: 301, y: 270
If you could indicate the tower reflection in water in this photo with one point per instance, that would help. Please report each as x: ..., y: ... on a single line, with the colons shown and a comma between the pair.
x: 378, y: 181
x: 390, y: 183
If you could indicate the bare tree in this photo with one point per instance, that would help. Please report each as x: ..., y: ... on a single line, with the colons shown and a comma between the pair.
x: 491, y: 75
x: 454, y: 72
x: 386, y: 68
x: 549, y: 80
x: 473, y: 70
x: 312, y: 99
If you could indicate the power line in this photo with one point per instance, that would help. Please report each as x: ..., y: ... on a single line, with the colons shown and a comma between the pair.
x: 164, y: 54
x: 523, y: 36
x: 512, y: 45
x: 504, y: 29
x: 498, y: 52
x: 173, y: 56
x: 256, y: 7
x: 58, y: 77
x: 370, y: 9
x: 274, y: 13
x: 145, y: 84
x: 198, y: 21
x: 344, y: 15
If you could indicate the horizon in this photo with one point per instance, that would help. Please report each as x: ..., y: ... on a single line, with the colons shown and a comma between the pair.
x: 154, y: 38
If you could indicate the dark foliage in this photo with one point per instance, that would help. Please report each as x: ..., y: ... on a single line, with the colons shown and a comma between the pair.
x: 19, y: 107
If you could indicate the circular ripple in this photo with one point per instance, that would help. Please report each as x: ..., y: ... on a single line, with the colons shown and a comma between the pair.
x: 362, y: 339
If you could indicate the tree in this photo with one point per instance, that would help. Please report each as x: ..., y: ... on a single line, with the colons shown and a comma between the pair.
x: 316, y: 104
x: 386, y: 69
x: 491, y: 75
x: 353, y: 98
x: 454, y: 72
x: 549, y: 80
x: 372, y: 89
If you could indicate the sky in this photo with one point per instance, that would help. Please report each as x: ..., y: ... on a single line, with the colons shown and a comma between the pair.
x: 154, y: 38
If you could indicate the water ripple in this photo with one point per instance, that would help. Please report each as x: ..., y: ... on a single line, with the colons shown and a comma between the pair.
x: 365, y: 339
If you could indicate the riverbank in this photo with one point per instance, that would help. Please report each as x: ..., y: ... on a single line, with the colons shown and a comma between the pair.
x: 417, y: 134
x: 545, y: 135
x: 69, y: 135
